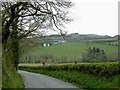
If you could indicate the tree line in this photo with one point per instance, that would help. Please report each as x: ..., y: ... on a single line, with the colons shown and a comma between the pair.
x: 95, y: 55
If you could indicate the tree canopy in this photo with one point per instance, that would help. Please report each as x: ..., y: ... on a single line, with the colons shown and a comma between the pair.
x: 95, y: 55
x: 29, y: 18
x: 26, y: 19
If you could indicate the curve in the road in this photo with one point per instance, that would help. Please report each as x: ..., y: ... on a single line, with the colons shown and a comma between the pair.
x: 33, y: 80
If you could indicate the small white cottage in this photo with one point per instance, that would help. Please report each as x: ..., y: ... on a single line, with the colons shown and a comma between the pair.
x: 44, y: 44
x: 48, y: 44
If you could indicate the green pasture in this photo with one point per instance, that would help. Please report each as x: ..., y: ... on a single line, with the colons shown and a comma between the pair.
x: 113, y: 43
x: 30, y: 64
x: 70, y: 49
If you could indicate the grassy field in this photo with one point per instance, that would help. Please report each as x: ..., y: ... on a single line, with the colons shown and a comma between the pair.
x: 114, y: 43
x: 104, y: 40
x: 30, y: 64
x: 71, y: 49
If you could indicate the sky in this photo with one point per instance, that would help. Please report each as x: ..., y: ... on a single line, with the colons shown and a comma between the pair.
x: 94, y: 17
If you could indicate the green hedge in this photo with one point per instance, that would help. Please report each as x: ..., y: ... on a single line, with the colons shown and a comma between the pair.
x: 98, y: 69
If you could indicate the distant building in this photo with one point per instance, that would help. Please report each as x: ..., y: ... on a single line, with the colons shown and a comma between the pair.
x: 56, y: 42
x: 46, y: 44
x: 59, y: 42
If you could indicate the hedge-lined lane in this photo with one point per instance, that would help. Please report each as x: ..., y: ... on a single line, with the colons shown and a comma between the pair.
x: 79, y: 79
x: 97, y: 69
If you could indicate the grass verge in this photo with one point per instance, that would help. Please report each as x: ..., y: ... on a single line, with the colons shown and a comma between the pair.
x: 11, y: 79
x: 79, y: 79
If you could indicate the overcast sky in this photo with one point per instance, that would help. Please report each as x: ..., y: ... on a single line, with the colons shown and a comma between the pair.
x: 94, y: 17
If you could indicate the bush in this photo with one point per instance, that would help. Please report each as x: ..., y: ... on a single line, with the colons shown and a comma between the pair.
x: 97, y: 69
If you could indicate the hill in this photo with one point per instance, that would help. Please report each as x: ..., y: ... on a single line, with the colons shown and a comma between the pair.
x: 71, y: 49
x: 67, y: 52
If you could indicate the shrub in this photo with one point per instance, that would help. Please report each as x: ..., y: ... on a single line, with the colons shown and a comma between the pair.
x: 97, y: 69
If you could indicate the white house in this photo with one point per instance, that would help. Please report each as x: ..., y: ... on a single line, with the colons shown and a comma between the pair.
x: 48, y: 44
x: 59, y: 42
x: 44, y: 44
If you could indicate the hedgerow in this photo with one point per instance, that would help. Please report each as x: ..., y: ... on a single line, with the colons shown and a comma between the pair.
x: 97, y: 69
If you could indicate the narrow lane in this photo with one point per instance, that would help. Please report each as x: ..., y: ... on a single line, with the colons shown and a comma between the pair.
x: 33, y: 80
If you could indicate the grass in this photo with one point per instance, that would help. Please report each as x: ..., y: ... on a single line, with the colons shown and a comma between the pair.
x: 0, y: 66
x: 11, y: 79
x: 79, y: 79
x: 114, y: 43
x: 0, y: 73
x: 30, y: 64
x: 71, y: 49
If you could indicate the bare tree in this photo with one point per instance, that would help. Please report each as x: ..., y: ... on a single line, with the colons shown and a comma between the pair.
x: 29, y: 17
x: 26, y: 19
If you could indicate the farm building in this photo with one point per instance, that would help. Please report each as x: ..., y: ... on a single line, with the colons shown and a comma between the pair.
x: 46, y: 44
x: 59, y: 42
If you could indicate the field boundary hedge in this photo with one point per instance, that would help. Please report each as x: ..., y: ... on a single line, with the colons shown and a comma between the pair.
x: 98, y: 69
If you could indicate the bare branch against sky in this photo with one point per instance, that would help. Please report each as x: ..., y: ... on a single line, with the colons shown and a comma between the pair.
x: 92, y: 17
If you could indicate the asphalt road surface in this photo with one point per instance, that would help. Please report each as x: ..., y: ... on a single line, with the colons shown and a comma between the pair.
x: 33, y: 80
